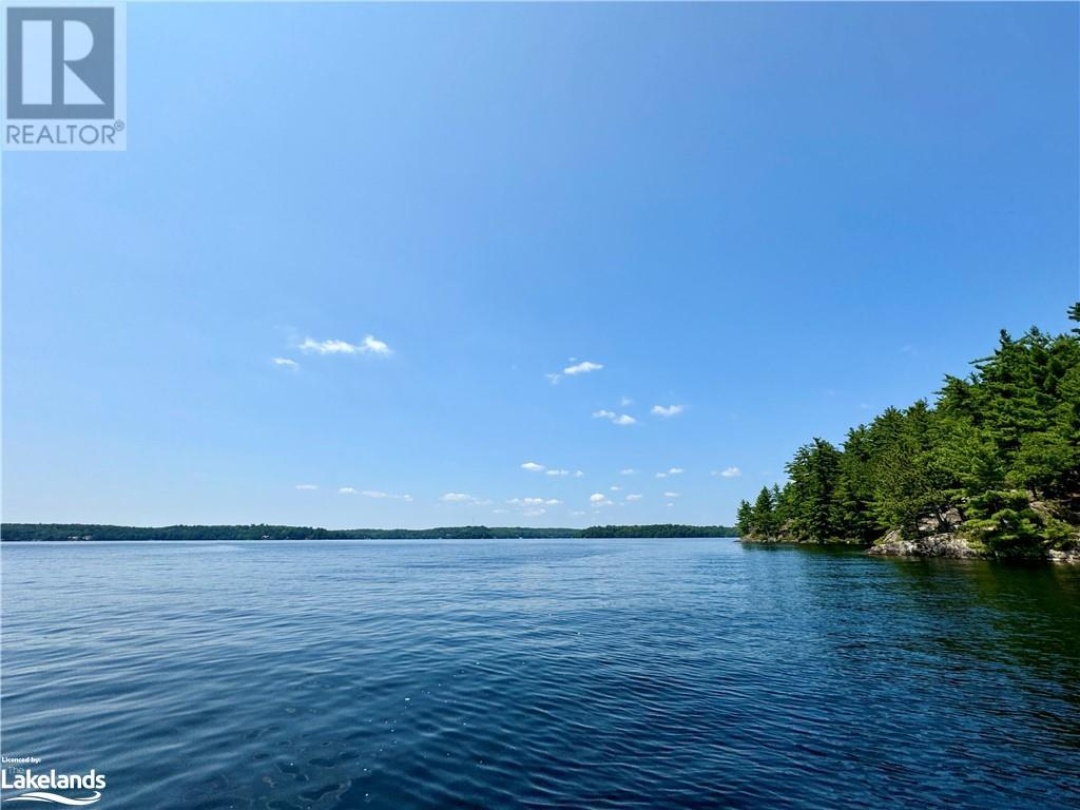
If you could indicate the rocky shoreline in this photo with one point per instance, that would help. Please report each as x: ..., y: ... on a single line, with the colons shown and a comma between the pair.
x: 945, y: 545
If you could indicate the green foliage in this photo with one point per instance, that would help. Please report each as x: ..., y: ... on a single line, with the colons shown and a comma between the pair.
x: 990, y: 449
x: 744, y: 519
x: 763, y: 516
x: 813, y: 504
x: 1006, y: 525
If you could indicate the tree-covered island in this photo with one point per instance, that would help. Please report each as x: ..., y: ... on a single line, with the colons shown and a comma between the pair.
x: 990, y: 469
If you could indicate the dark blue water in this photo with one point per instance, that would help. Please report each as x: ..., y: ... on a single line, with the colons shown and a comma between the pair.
x: 577, y: 674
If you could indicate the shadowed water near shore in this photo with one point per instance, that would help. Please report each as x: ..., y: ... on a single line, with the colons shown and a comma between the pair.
x: 542, y: 674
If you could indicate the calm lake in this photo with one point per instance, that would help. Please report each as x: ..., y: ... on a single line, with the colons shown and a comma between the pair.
x: 575, y: 674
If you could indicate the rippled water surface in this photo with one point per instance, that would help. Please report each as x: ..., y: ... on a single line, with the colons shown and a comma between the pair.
x: 577, y: 674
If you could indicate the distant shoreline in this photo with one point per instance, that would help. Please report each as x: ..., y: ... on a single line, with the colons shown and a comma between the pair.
x: 92, y: 532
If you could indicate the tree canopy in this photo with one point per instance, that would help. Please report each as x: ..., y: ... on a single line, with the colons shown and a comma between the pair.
x: 997, y: 453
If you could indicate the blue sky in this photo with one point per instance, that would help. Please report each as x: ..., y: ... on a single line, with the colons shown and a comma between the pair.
x: 770, y: 221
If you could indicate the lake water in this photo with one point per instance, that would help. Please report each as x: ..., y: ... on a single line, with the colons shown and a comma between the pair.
x: 576, y: 674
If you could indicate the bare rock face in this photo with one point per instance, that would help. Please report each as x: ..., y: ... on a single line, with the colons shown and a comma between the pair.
x: 947, y: 522
x: 1071, y: 555
x: 932, y: 545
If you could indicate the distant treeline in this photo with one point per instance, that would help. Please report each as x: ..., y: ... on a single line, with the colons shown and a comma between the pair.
x: 41, y: 532
x: 996, y: 459
x: 658, y: 530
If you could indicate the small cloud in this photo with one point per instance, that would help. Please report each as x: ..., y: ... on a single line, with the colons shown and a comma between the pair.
x: 666, y: 410
x: 578, y: 474
x: 577, y: 513
x: 534, y: 501
x: 633, y: 497
x: 532, y: 466
x: 676, y: 471
x: 669, y: 504
x: 626, y: 402
x: 671, y: 495
x: 615, y: 488
x: 285, y: 362
x: 307, y: 487
x: 533, y: 512
x: 556, y: 472
x: 584, y: 367
x: 370, y: 345
x: 661, y: 475
x: 597, y: 498
x: 457, y: 497
x: 617, y: 419
x: 728, y: 472
x: 375, y: 346
x: 628, y: 471
x: 346, y: 491
x: 553, y: 378
x: 372, y: 493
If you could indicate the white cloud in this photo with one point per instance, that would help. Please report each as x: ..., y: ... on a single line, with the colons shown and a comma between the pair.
x: 534, y: 501
x: 577, y: 513
x: 666, y: 410
x: 533, y: 512
x: 671, y: 495
x: 728, y: 472
x: 556, y: 472
x: 626, y: 402
x: 628, y: 471
x: 615, y: 488
x: 584, y: 367
x: 669, y: 504
x: 372, y: 493
x: 532, y: 466
x: 578, y: 474
x: 376, y: 346
x: 457, y: 497
x: 676, y: 471
x: 370, y: 345
x: 633, y: 497
x: 554, y: 378
x: 661, y: 475
x: 307, y: 487
x: 285, y: 362
x: 597, y: 497
x: 346, y: 490
x: 618, y: 419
